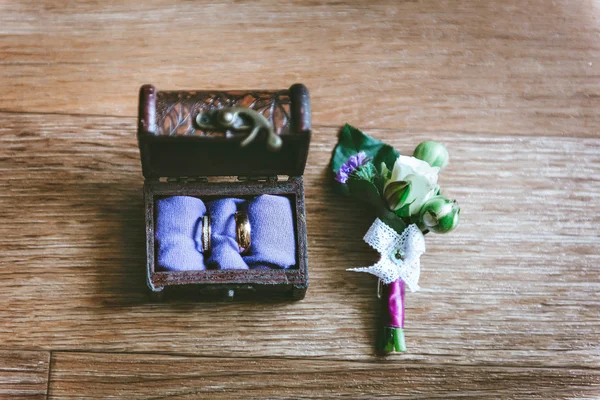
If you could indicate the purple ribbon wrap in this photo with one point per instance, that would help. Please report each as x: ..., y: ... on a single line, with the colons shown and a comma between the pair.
x: 394, y: 298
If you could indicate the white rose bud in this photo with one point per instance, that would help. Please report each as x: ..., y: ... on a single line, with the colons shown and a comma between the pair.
x: 410, y: 184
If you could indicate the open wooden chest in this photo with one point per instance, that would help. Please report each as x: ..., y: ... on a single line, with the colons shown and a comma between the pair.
x: 191, y: 145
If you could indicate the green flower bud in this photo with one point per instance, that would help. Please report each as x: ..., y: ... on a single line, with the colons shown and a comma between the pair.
x: 434, y: 153
x: 439, y: 215
x: 396, y: 193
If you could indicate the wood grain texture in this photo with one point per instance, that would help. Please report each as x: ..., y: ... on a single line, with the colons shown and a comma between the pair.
x: 140, y: 376
x: 515, y: 285
x: 509, y: 305
x: 475, y: 66
x: 24, y: 374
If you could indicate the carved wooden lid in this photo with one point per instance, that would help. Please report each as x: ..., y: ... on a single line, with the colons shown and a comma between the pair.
x: 172, y: 144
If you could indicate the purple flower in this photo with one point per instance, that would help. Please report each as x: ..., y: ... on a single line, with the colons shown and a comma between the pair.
x: 350, y: 166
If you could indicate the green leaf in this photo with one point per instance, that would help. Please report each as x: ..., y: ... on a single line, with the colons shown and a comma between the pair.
x: 386, y: 155
x: 352, y: 141
x: 391, y: 219
x: 365, y: 191
x: 368, y: 182
x: 341, y: 188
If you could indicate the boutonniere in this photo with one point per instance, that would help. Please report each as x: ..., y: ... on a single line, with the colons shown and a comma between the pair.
x: 407, y: 201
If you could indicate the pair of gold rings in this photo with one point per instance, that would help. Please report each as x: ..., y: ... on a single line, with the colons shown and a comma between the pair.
x: 243, y: 232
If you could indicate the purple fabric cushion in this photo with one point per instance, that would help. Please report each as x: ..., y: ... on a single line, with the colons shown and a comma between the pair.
x: 177, y: 218
x: 179, y: 233
x: 224, y: 252
x: 272, y: 239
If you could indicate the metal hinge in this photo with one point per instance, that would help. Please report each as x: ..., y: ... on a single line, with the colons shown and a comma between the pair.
x: 239, y: 119
x: 272, y: 178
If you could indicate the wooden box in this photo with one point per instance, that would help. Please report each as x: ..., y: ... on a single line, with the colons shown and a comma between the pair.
x: 179, y: 157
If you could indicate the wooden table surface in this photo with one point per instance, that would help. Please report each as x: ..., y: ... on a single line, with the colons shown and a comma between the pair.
x: 509, y: 306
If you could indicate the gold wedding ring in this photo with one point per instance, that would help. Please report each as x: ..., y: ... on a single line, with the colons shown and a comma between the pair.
x: 243, y: 231
x: 206, y: 233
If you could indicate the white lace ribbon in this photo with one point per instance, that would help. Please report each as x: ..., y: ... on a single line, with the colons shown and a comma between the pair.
x: 400, y: 254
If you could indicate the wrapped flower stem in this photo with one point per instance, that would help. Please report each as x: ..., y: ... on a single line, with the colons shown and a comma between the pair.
x: 393, y: 330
